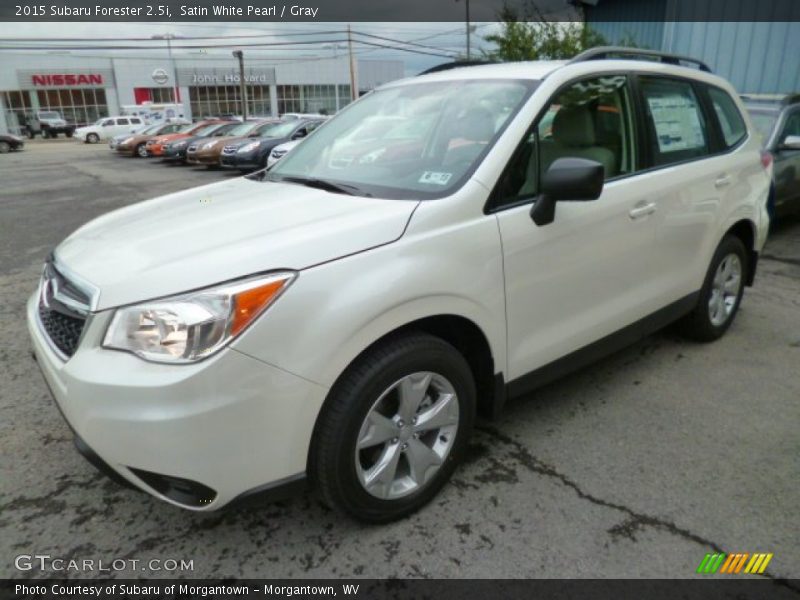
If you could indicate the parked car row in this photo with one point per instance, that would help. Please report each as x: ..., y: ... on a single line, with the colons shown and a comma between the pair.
x: 243, y: 145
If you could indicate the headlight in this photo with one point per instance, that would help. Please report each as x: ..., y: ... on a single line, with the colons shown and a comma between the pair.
x: 208, y: 145
x: 249, y: 147
x: 193, y: 326
x: 125, y: 141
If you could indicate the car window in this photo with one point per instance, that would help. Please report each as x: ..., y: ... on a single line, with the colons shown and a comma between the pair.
x: 728, y: 115
x: 763, y: 122
x: 792, y: 126
x: 135, y: 122
x: 591, y: 119
x: 677, y: 127
x: 122, y: 121
x: 108, y: 123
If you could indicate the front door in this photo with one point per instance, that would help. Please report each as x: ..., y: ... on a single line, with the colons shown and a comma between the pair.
x: 586, y: 274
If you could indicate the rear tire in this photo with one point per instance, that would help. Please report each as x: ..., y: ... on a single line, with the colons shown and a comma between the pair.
x: 376, y: 457
x: 721, y: 293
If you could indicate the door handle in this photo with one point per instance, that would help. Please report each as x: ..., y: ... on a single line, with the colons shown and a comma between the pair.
x: 642, y: 209
x: 722, y: 181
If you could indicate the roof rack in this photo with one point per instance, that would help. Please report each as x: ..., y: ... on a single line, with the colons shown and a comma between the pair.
x: 602, y: 52
x: 779, y: 99
x: 456, y: 65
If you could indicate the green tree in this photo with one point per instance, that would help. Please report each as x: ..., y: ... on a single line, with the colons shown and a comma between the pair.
x: 530, y: 36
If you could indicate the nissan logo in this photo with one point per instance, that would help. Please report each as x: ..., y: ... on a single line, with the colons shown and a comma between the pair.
x: 160, y: 76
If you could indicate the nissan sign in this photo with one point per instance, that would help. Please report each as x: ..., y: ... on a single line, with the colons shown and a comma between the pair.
x: 160, y: 76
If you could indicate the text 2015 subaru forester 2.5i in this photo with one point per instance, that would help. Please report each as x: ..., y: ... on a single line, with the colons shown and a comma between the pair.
x: 340, y: 318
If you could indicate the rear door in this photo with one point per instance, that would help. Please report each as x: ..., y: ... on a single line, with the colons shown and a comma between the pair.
x: 684, y: 180
x: 586, y: 274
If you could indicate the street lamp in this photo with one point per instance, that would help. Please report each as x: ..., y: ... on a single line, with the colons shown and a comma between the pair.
x: 169, y: 37
x: 239, y: 55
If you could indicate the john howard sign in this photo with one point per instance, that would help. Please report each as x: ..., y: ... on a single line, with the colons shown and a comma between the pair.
x: 199, y: 77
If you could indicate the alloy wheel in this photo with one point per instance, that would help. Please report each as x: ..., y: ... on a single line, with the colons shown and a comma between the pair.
x: 407, y: 435
x: 725, y: 288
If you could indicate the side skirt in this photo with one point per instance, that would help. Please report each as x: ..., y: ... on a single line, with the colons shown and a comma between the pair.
x: 602, y: 347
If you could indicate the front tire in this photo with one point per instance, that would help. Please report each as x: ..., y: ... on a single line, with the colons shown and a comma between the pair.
x: 92, y: 138
x: 141, y: 151
x: 721, y: 293
x: 393, y: 428
x: 5, y: 147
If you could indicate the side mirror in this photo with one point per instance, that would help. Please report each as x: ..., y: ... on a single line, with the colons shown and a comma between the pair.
x: 791, y: 142
x: 567, y: 180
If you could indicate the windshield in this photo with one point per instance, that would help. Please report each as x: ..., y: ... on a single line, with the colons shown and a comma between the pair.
x: 209, y: 129
x: 763, y: 121
x: 152, y: 129
x: 421, y: 140
x: 243, y: 128
x: 278, y: 130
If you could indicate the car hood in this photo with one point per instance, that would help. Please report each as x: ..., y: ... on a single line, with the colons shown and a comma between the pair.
x: 53, y: 121
x: 223, y: 231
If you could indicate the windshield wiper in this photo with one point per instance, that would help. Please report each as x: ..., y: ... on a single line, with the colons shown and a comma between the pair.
x: 324, y: 184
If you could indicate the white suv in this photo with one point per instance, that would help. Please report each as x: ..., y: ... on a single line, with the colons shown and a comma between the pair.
x: 109, y: 127
x: 342, y: 325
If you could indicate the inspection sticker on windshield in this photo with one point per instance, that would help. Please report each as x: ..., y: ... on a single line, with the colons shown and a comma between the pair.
x: 435, y: 177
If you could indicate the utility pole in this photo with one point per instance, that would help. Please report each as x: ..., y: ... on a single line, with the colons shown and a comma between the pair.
x: 353, y: 88
x: 169, y: 37
x: 468, y: 28
x: 239, y: 55
x: 468, y: 48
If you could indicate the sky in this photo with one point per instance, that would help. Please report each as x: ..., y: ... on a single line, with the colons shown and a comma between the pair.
x: 446, y: 38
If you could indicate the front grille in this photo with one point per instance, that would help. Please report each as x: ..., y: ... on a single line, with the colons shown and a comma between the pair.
x: 229, y: 149
x: 192, y: 148
x: 278, y: 153
x: 63, y: 331
x: 63, y: 308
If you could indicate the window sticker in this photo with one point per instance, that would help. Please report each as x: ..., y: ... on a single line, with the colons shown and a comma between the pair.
x: 435, y: 178
x: 677, y: 122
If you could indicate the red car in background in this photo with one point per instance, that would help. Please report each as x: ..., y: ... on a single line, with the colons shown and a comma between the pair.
x: 155, y: 147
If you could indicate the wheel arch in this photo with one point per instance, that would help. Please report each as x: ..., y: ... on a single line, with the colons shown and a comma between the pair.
x: 465, y: 336
x: 745, y: 230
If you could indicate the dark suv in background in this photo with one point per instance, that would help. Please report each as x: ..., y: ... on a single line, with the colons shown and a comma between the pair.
x: 777, y: 120
x: 248, y: 155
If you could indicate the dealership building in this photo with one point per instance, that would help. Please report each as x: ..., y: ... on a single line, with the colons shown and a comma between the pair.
x: 85, y: 88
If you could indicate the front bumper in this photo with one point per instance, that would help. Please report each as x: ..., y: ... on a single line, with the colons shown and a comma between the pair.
x: 174, y: 154
x: 246, y: 161
x: 203, y: 159
x: 225, y: 426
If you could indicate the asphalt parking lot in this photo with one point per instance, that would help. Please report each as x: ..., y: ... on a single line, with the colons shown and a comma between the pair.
x: 635, y: 467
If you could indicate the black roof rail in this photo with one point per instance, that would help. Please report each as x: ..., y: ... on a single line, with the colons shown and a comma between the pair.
x: 601, y: 52
x: 456, y: 65
x: 779, y: 99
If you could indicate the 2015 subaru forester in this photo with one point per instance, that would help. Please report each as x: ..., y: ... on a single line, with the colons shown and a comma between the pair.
x: 443, y: 243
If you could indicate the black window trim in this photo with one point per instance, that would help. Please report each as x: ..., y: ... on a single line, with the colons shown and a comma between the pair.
x: 705, y: 89
x: 491, y: 205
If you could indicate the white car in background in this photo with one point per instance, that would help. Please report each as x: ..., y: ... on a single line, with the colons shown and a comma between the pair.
x: 340, y: 323
x: 278, y: 152
x: 109, y: 127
